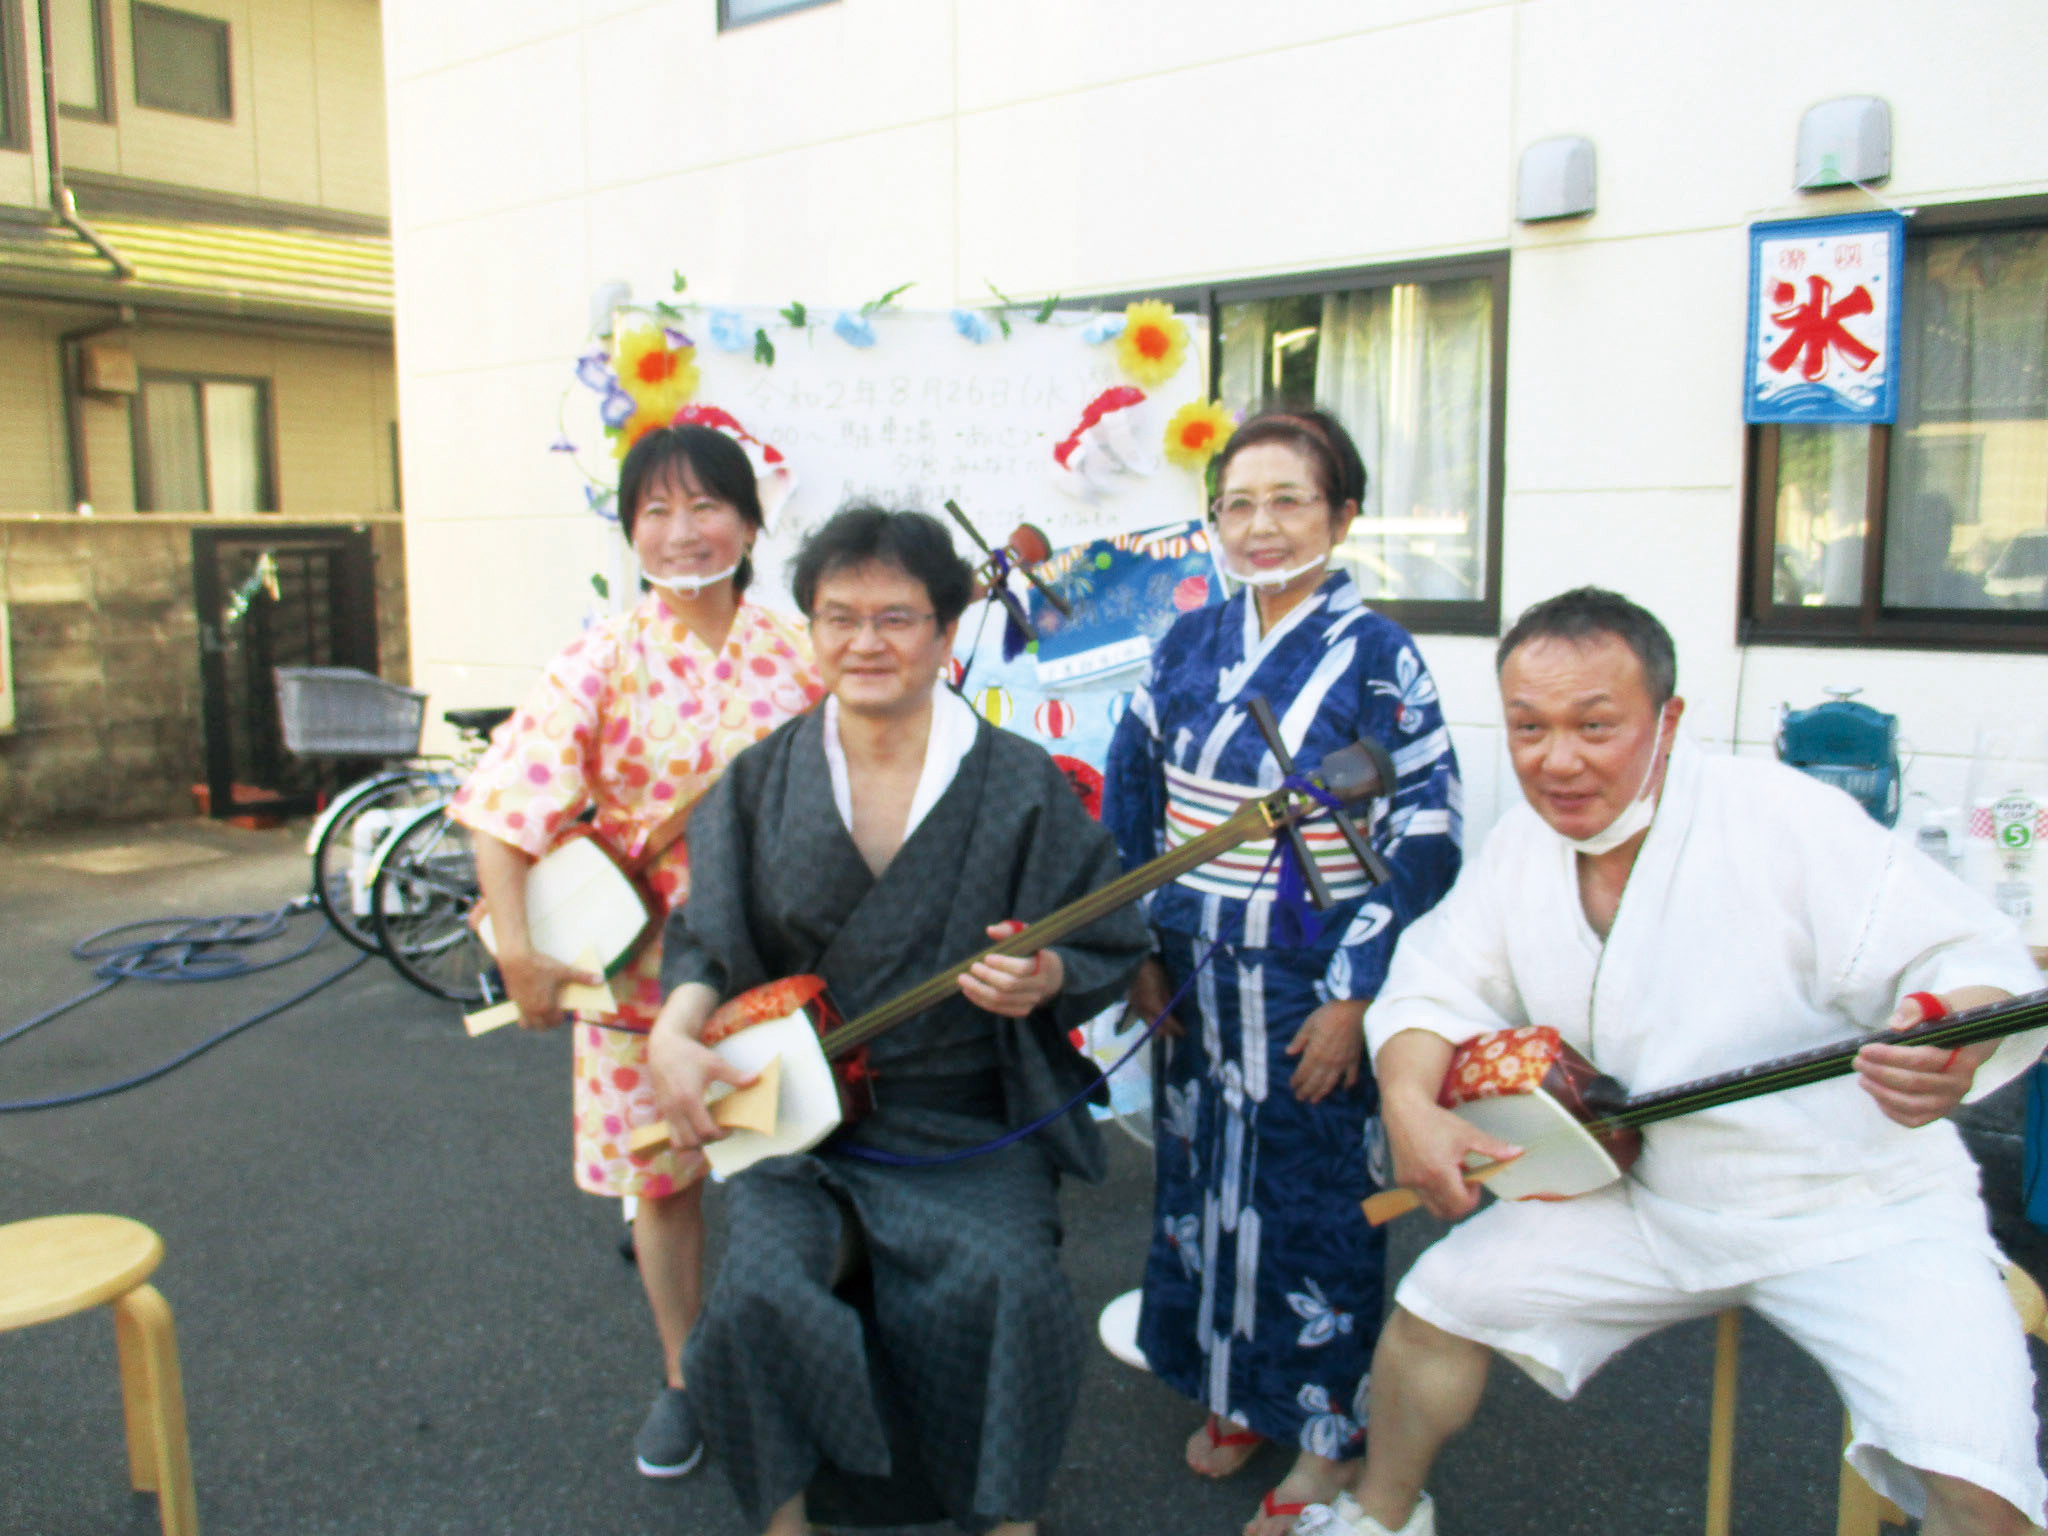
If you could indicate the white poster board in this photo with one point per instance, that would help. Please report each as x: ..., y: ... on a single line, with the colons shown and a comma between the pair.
x: 909, y: 409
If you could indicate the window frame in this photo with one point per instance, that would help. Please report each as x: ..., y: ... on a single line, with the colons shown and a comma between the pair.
x: 1871, y: 623
x: 222, y: 29
x: 13, y: 79
x: 1420, y: 616
x: 266, y: 440
x: 727, y: 22
x: 103, y: 60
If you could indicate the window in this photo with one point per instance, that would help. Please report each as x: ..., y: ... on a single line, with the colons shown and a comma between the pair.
x: 737, y: 13
x: 13, y: 79
x: 78, y: 54
x: 203, y: 445
x: 1413, y: 362
x: 181, y: 62
x: 1932, y: 531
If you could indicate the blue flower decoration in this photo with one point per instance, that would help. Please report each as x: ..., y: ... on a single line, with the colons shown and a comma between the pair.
x: 973, y: 324
x: 729, y: 331
x: 602, y: 502
x: 617, y: 408
x: 1103, y: 328
x: 854, y: 329
x: 676, y: 338
x: 561, y: 444
x: 594, y: 371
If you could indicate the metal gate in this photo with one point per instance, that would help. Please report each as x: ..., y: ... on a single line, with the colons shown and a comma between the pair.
x: 268, y: 598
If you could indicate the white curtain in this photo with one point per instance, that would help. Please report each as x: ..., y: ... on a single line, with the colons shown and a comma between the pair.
x: 1409, y: 370
x: 177, y: 482
x: 1247, y: 336
x: 234, y: 447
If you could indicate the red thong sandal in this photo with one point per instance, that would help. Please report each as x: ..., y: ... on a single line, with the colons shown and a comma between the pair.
x: 1235, y: 1436
x: 1274, y: 1510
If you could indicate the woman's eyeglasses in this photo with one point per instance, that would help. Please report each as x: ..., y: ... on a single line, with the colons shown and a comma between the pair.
x: 1285, y: 506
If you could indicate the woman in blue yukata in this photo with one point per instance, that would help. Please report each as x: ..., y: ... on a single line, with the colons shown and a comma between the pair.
x: 1262, y: 1293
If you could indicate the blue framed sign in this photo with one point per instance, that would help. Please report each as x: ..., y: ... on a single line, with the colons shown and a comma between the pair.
x: 1824, y: 319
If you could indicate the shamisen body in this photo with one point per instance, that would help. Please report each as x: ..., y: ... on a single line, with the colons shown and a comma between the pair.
x: 1757, y: 914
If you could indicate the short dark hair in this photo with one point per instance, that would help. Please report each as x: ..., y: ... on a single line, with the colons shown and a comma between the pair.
x: 1586, y: 613
x: 915, y: 543
x: 719, y: 465
x: 1339, y: 470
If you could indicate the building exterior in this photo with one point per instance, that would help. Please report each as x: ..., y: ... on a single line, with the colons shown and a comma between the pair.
x: 196, y: 373
x: 1509, y: 243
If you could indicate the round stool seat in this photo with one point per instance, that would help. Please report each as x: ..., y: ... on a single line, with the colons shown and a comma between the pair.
x: 54, y: 1266
x: 1117, y: 1327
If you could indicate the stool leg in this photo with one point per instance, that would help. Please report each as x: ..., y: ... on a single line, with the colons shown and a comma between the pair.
x: 1860, y: 1510
x: 153, y: 1401
x: 1721, y: 1434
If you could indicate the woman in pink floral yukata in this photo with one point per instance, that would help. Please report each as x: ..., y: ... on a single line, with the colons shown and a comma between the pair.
x: 640, y: 715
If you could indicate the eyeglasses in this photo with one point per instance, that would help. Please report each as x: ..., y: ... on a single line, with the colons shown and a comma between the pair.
x: 1286, y: 506
x: 701, y: 509
x: 890, y: 624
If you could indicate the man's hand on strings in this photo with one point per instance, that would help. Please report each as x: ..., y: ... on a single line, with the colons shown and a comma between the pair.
x: 1151, y: 993
x: 1330, y: 1043
x: 534, y: 981
x: 684, y: 1068
x: 1916, y: 1085
x: 1010, y: 986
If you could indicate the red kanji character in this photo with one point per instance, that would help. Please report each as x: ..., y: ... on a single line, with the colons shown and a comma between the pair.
x: 1849, y: 255
x: 1817, y: 325
x: 1791, y: 259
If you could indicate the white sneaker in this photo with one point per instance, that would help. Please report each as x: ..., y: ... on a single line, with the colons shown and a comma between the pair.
x: 1342, y: 1517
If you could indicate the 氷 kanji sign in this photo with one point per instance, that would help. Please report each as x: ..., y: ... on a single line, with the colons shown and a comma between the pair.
x: 1824, y: 319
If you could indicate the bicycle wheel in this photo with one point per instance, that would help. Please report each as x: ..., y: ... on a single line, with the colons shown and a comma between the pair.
x: 420, y: 899
x: 344, y: 844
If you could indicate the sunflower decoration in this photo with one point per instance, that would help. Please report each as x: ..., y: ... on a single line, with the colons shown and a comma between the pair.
x: 1196, y: 431
x: 1154, y: 343
x: 657, y: 368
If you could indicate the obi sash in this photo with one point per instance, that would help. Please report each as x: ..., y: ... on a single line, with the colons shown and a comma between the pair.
x: 1195, y: 805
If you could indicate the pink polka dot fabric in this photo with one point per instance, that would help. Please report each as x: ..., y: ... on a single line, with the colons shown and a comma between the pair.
x: 598, y: 728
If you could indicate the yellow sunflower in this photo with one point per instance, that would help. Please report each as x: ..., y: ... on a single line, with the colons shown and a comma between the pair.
x: 1197, y: 430
x: 638, y: 425
x: 1153, y: 344
x: 660, y: 378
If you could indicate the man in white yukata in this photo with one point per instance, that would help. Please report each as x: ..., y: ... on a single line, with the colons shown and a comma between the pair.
x: 1676, y: 914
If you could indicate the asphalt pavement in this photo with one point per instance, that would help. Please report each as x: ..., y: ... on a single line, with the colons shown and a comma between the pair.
x: 397, y: 1316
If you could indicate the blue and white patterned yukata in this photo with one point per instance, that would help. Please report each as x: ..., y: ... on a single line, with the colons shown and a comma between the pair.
x: 1263, y: 1287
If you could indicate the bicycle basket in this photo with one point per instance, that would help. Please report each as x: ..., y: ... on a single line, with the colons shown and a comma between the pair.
x: 342, y: 712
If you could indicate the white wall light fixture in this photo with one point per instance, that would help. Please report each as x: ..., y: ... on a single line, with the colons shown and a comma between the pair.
x: 1844, y: 142
x: 1556, y: 180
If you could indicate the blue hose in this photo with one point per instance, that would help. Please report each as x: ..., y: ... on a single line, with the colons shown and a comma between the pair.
x: 193, y: 949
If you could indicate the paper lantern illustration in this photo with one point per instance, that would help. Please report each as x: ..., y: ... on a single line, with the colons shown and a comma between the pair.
x: 1190, y: 593
x: 1054, y: 719
x: 994, y: 705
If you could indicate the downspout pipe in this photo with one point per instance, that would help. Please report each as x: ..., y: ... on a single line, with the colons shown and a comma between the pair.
x: 62, y: 203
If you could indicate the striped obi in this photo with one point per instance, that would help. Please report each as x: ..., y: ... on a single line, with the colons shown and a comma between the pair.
x: 1195, y: 805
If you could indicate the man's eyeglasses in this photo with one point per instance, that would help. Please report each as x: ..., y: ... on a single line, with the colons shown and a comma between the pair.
x: 889, y: 624
x: 1286, y: 506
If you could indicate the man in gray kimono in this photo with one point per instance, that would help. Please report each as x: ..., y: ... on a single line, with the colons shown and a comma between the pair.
x: 875, y: 842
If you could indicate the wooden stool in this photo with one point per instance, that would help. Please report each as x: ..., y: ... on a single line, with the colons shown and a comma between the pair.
x: 55, y: 1266
x: 1860, y: 1510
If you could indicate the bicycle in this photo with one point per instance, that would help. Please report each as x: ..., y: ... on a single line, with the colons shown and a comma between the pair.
x: 423, y: 890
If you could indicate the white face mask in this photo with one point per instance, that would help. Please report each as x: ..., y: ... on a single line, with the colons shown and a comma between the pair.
x: 1634, y: 817
x: 1275, y: 578
x: 689, y: 586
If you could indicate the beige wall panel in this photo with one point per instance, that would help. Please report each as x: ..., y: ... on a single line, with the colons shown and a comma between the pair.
x: 476, y: 446
x: 438, y: 33
x: 92, y: 146
x: 348, y: 53
x: 181, y: 351
x: 1055, y: 195
x: 1596, y: 400
x: 32, y: 469
x: 328, y: 430
x: 109, y: 455
x: 192, y: 151
x: 21, y: 181
x: 1068, y: 45
x: 1666, y: 550
x: 532, y: 149
x: 1695, y: 110
x: 514, y: 289
x: 533, y: 578
x: 759, y: 89
x: 788, y: 241
x: 284, y: 93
